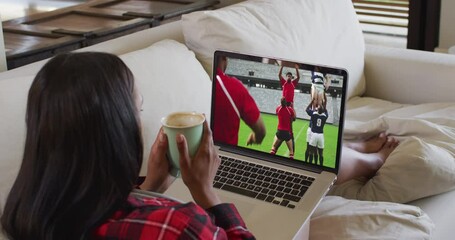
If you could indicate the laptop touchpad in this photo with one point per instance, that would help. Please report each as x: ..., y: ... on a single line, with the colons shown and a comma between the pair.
x: 244, y: 206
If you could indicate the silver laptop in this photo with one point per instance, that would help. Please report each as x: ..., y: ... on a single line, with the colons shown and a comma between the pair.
x: 276, y: 187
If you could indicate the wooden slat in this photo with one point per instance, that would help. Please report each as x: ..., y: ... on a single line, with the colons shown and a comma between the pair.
x: 156, y: 9
x: 370, y: 8
x: 17, y: 42
x: 403, y: 3
x: 42, y: 31
x: 45, y: 15
x: 143, y: 9
x: 197, y: 5
x: 45, y: 45
x: 120, y: 30
x: 384, y: 23
x: 107, y: 13
x: 382, y: 15
x: 393, y: 10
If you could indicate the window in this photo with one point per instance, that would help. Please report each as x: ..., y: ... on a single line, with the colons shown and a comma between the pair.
x: 400, y: 23
x: 388, y: 14
x: 384, y: 21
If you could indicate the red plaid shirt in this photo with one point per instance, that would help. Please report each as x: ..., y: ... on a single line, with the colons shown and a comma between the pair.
x: 161, y: 218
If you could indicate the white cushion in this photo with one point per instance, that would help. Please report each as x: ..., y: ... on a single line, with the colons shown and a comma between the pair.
x: 13, y: 101
x: 324, y: 32
x: 338, y: 218
x: 170, y: 79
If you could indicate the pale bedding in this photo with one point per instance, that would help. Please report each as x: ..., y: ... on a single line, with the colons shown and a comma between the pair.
x: 338, y: 218
x: 422, y: 166
x: 425, y: 156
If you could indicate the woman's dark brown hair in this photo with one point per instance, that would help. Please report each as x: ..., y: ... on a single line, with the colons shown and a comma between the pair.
x: 83, y: 148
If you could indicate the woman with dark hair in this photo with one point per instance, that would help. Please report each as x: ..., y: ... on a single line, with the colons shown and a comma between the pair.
x: 82, y: 157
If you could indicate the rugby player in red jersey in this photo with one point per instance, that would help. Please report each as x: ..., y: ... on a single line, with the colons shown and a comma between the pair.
x: 232, y: 103
x: 289, y: 84
x: 286, y: 115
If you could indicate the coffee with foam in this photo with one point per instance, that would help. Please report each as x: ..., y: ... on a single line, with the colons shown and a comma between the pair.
x: 183, y: 119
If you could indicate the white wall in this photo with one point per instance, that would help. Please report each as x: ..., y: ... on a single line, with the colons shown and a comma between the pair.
x: 2, y: 49
x: 447, y: 25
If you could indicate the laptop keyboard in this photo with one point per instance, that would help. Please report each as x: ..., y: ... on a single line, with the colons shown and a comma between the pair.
x: 261, y: 182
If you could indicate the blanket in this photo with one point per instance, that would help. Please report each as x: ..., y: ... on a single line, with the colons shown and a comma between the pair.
x: 424, y: 162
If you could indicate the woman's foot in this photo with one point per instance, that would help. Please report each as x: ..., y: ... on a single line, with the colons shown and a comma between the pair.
x: 355, y: 164
x: 371, y: 145
x: 387, y: 149
x: 378, y: 159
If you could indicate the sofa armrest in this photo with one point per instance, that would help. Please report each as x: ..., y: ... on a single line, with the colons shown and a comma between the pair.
x: 409, y: 76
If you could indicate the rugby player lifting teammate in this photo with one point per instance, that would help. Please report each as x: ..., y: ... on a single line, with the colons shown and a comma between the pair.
x: 318, y: 119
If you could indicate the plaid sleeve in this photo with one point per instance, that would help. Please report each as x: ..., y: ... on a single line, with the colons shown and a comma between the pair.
x: 157, y: 218
x: 228, y: 218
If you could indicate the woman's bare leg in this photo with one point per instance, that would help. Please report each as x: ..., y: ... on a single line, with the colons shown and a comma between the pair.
x: 354, y: 164
x: 371, y: 145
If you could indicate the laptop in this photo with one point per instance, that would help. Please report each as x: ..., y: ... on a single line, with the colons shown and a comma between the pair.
x: 277, y: 184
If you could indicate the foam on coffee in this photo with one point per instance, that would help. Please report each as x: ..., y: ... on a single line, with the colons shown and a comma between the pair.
x: 183, y: 119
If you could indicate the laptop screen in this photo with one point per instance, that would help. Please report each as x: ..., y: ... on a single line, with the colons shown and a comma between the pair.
x: 278, y: 110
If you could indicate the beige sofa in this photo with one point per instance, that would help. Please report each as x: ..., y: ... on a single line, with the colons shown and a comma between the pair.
x: 395, y: 79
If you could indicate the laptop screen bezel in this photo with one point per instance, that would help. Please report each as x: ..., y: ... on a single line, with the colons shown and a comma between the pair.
x: 275, y: 158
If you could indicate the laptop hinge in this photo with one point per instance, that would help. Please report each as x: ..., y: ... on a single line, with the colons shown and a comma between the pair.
x: 273, y: 159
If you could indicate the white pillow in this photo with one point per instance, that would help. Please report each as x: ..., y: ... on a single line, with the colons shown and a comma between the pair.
x: 339, y: 218
x: 324, y: 32
x: 170, y: 78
